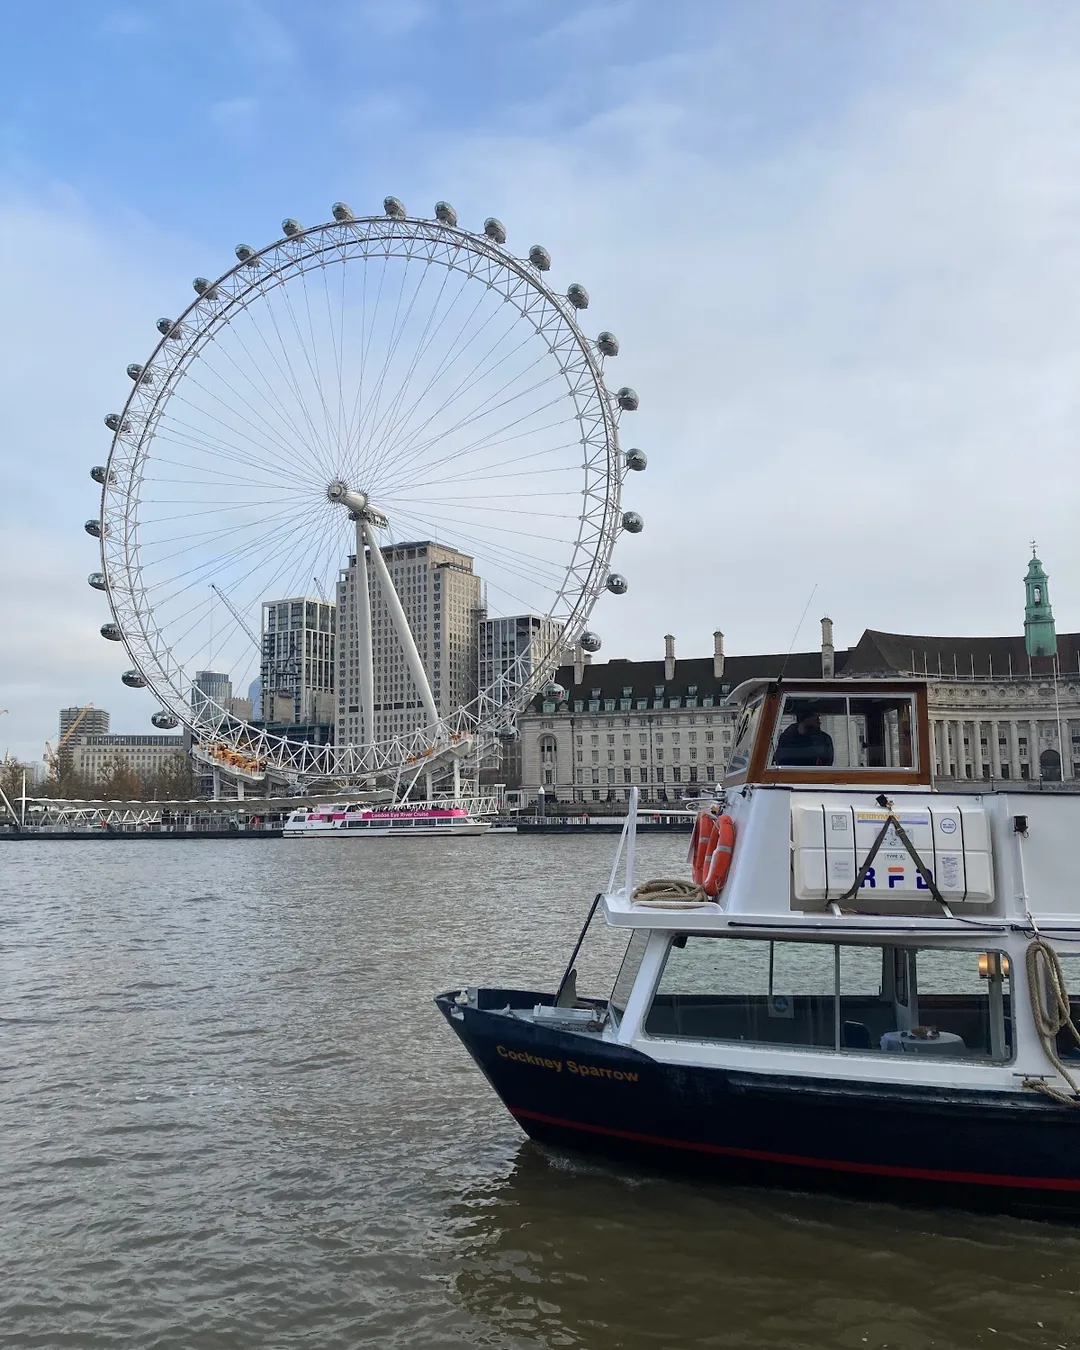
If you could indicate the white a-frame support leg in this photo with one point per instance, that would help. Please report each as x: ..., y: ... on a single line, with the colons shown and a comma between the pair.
x: 400, y: 622
x: 364, y: 655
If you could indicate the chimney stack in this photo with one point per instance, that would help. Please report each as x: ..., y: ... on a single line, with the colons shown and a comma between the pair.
x: 718, y: 655
x: 579, y: 664
x: 828, y: 651
x: 669, y: 657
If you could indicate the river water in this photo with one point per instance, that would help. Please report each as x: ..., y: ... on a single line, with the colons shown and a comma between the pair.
x: 230, y: 1116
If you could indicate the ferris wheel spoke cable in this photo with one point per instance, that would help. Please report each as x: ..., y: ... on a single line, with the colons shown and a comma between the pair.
x: 513, y: 560
x: 282, y: 444
x: 265, y: 389
x: 257, y: 457
x: 199, y: 609
x: 397, y: 331
x: 400, y: 435
x: 408, y: 444
x: 431, y: 330
x: 493, y: 439
x: 419, y: 476
x: 291, y: 379
x: 308, y: 439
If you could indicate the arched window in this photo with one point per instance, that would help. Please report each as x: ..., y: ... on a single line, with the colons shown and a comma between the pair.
x: 1050, y: 766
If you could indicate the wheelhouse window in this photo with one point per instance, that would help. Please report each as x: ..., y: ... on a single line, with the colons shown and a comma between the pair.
x: 864, y: 732
x: 835, y: 997
x: 745, y: 732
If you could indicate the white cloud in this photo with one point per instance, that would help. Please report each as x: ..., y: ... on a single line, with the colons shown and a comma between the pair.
x: 857, y: 351
x: 236, y: 118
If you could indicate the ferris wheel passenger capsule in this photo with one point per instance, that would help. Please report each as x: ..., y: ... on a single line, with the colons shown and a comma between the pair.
x: 445, y: 214
x: 393, y: 208
x: 133, y: 679
x: 163, y: 720
x: 291, y: 227
x: 204, y: 287
x: 554, y: 691
x: 495, y: 229
x: 589, y: 641
x: 97, y: 473
x: 96, y: 581
x: 342, y: 213
x: 113, y: 421
x: 135, y: 372
x: 244, y: 252
x: 577, y: 295
x: 608, y: 344
x: 93, y: 527
x: 616, y: 584
x: 636, y: 460
x: 627, y: 399
x: 168, y: 328
x: 540, y: 258
x: 508, y: 733
x: 632, y: 523
x: 111, y: 632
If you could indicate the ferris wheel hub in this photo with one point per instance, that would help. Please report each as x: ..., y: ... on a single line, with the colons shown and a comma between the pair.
x: 358, y: 504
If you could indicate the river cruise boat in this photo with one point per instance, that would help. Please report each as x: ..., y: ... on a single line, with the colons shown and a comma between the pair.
x: 353, y: 821
x: 860, y: 983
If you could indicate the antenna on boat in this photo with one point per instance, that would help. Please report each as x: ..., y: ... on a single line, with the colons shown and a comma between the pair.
x: 798, y: 630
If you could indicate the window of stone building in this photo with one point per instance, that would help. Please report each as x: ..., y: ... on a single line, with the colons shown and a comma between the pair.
x: 660, y: 754
x: 611, y: 756
x: 611, y: 775
x: 693, y: 752
x: 659, y: 738
x: 611, y: 740
x: 710, y: 771
x: 626, y: 754
x: 1025, y: 770
x: 580, y: 755
x: 643, y: 738
x: 596, y: 775
x: 691, y: 735
x: 643, y: 752
x: 676, y: 736
x: 626, y: 722
x: 693, y: 773
x: 549, y: 777
x: 676, y: 774
x: 626, y: 738
x: 594, y: 740
x: 627, y: 778
x: 709, y: 735
x: 595, y: 755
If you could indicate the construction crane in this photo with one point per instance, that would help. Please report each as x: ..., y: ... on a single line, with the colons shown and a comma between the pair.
x: 52, y: 757
x: 236, y: 615
x: 322, y: 594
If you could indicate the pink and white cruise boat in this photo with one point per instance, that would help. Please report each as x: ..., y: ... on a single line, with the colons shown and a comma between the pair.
x: 338, y: 821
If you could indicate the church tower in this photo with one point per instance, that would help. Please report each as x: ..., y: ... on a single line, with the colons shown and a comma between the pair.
x: 1040, y: 636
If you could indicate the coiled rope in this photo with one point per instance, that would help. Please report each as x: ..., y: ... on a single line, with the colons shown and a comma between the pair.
x: 1050, y: 1007
x: 669, y: 893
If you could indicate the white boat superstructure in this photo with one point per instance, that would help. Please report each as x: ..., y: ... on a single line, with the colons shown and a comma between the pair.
x: 338, y: 820
x: 864, y: 980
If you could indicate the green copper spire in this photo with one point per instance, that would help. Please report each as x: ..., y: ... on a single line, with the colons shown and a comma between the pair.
x: 1040, y: 636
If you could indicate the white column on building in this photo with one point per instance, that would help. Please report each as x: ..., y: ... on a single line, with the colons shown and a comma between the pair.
x: 946, y: 757
x: 1066, y: 748
x: 1014, y: 749
x: 1033, y: 746
x: 976, y: 748
x: 995, y: 750
x: 961, y: 758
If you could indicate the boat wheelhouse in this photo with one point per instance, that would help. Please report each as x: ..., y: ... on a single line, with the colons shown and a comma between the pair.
x: 353, y: 821
x: 875, y: 989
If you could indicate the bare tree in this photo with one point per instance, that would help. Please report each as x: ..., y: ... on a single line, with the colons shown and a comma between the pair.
x: 121, y: 782
x: 174, y: 780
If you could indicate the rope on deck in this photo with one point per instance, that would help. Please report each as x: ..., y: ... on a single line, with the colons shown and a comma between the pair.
x: 669, y: 893
x: 1050, y: 1007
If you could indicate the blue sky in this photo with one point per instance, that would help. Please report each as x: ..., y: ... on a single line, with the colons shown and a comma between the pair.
x: 840, y: 244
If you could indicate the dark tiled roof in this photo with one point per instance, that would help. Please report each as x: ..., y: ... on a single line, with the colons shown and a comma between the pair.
x: 879, y: 653
x: 643, y: 677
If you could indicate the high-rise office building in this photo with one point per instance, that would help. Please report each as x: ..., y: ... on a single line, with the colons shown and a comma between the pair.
x: 298, y: 656
x: 86, y: 721
x: 509, y: 649
x: 211, y: 685
x: 441, y: 597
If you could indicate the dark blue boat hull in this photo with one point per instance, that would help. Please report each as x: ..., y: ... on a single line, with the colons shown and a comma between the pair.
x: 923, y: 1144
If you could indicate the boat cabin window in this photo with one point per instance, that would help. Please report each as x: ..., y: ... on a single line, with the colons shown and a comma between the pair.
x: 745, y: 734
x: 624, y: 981
x: 865, y: 732
x: 835, y: 997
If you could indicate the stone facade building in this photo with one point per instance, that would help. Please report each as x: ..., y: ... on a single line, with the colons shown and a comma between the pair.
x: 1002, y: 709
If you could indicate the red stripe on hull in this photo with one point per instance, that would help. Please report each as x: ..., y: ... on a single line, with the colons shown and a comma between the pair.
x: 822, y: 1164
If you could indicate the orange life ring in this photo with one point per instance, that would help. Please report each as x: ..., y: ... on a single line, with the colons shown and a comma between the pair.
x: 719, y: 856
x: 701, y: 844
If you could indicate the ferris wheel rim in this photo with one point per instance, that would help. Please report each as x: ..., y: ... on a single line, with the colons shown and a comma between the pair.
x: 212, y: 310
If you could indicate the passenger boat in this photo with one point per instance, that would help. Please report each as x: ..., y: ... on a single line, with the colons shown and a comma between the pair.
x: 353, y: 821
x: 875, y: 989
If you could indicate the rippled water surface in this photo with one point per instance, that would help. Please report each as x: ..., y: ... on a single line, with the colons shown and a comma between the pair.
x: 230, y: 1116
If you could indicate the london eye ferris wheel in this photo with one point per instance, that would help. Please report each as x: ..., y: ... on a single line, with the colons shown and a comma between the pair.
x: 351, y: 385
